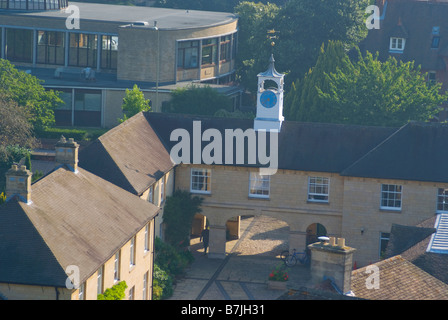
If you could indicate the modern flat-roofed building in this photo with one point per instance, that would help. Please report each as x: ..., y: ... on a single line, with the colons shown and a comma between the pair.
x: 93, y: 52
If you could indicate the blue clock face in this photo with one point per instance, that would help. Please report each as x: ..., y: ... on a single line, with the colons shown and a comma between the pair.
x: 268, y: 99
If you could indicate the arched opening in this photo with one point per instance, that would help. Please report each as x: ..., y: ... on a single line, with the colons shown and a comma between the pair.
x: 270, y: 84
x: 314, y: 231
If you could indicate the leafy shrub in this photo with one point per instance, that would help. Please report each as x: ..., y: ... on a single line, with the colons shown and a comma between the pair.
x: 162, y: 284
x: 170, y: 259
x: 115, y: 292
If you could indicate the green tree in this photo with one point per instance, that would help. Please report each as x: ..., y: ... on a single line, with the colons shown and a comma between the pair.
x: 254, y: 47
x: 303, y: 102
x: 134, y: 102
x: 178, y: 214
x: 197, y: 100
x: 390, y: 93
x: 27, y: 91
x: 304, y: 25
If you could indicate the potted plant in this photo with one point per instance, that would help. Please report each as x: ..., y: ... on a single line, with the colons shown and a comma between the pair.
x: 278, y: 278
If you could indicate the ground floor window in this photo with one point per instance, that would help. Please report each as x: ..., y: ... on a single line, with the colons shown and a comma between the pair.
x: 384, y: 240
x: 80, y: 107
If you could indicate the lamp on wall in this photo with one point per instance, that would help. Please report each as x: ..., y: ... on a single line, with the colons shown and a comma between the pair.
x: 362, y: 230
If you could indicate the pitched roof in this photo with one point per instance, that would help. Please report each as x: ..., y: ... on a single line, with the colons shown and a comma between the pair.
x: 416, y: 145
x: 129, y: 155
x: 413, y: 20
x: 301, y: 146
x: 399, y: 279
x: 74, y: 219
x: 411, y: 242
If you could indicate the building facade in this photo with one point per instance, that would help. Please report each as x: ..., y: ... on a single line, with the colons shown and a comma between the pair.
x: 93, y: 52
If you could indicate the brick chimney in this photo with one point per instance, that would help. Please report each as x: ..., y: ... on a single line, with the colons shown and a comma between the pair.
x: 67, y: 153
x: 332, y: 260
x: 18, y: 183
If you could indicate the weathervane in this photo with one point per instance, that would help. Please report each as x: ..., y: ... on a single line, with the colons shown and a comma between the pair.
x: 272, y: 35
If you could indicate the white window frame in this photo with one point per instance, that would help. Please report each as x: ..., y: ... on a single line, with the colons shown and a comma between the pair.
x: 319, y: 182
x: 394, y: 43
x: 145, y: 286
x: 389, y: 193
x: 132, y: 252
x: 117, y: 267
x: 442, y: 199
x: 259, y: 185
x: 162, y: 189
x: 82, y: 291
x: 146, y: 249
x: 151, y: 194
x: 99, y: 281
x: 203, y: 173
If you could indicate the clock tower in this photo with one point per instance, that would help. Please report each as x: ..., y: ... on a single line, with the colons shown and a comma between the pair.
x: 269, y: 99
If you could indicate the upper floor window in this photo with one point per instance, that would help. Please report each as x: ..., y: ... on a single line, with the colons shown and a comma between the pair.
x: 225, y: 50
x: 259, y: 185
x: 82, y: 291
x: 99, y: 279
x: 162, y: 189
x: 318, y: 189
x: 209, y: 51
x: 200, y: 181
x: 132, y: 252
x: 391, y: 196
x: 117, y: 266
x: 442, y: 200
x: 397, y: 44
x: 188, y: 54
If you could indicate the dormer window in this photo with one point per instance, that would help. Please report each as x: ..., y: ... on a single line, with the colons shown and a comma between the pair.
x: 397, y: 44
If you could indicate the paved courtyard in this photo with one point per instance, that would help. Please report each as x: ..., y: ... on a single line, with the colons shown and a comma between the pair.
x: 243, y: 274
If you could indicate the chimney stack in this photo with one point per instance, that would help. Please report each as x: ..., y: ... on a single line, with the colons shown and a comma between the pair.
x: 332, y: 260
x: 18, y: 183
x: 67, y: 153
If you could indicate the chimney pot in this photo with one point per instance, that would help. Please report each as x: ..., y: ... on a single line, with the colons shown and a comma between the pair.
x: 341, y: 242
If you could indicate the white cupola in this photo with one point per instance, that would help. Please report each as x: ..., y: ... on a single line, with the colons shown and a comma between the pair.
x: 269, y: 99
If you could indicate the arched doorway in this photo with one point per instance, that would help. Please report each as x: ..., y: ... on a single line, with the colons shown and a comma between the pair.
x: 314, y: 231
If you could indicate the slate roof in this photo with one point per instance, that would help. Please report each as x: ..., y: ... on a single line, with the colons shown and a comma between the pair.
x: 417, y: 152
x: 399, y: 280
x: 129, y: 155
x: 413, y: 20
x: 74, y: 219
x: 301, y: 146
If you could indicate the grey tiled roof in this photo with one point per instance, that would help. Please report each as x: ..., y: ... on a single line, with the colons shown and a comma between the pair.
x: 74, y: 219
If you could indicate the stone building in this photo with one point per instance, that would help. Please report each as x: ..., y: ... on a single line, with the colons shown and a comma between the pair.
x: 343, y: 181
x: 93, y: 52
x: 71, y: 235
